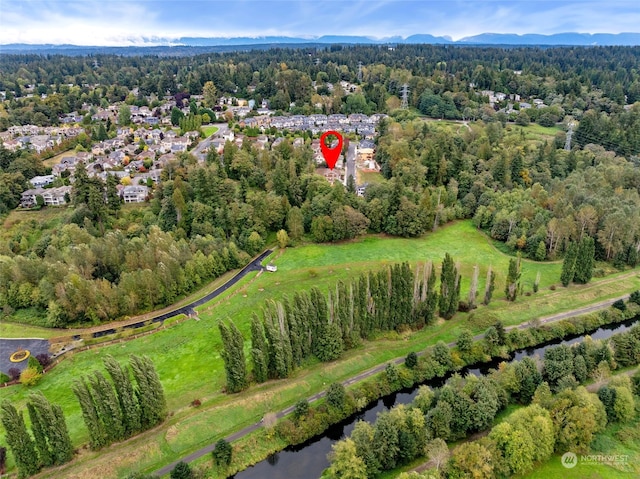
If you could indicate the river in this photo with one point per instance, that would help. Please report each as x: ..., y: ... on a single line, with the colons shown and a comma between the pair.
x: 309, y: 459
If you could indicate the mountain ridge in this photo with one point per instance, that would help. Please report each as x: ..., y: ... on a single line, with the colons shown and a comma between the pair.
x: 226, y: 43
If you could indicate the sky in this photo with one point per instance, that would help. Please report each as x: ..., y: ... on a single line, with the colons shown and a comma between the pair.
x: 133, y: 22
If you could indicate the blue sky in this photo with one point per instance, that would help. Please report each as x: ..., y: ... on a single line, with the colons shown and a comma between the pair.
x: 126, y: 22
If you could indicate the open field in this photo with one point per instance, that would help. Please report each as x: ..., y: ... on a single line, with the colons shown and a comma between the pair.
x: 209, y: 130
x: 189, y: 364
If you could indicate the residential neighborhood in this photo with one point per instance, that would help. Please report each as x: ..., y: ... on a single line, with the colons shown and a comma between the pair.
x: 139, y: 152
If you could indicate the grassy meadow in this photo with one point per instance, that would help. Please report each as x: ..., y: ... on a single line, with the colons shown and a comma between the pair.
x: 189, y: 364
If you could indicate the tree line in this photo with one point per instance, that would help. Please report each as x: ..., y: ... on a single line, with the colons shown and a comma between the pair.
x: 312, y: 324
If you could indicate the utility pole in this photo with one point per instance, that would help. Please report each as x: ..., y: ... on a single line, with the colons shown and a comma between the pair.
x: 567, y: 143
x: 405, y: 97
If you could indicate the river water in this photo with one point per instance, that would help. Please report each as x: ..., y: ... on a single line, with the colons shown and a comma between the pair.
x: 309, y: 459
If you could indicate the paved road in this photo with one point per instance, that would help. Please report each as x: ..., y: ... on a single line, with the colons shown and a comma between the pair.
x: 368, y: 373
x: 199, y: 150
x: 351, y: 162
x: 10, y: 346
x: 188, y: 309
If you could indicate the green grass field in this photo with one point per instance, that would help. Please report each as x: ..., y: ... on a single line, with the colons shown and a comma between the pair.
x: 209, y: 130
x: 189, y: 364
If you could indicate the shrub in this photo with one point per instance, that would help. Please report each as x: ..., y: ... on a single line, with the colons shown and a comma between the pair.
x: 44, y: 359
x: 182, y: 471
x: 30, y: 377
x: 552, y: 287
x: 301, y: 409
x: 196, y: 403
x: 222, y: 453
x: 14, y: 373
x: 336, y: 395
x: 411, y: 361
x: 635, y: 297
x: 620, y: 305
x: 33, y: 363
x: 4, y: 378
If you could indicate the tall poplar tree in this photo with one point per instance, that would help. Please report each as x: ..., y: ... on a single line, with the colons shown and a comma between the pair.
x: 150, y: 394
x: 97, y: 434
x: 569, y: 265
x: 57, y: 445
x: 449, y: 288
x: 584, y: 260
x: 20, y: 442
x: 126, y: 395
x: 233, y: 357
x: 513, y: 279
x: 258, y: 350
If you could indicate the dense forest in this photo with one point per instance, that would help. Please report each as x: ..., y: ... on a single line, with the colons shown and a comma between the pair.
x: 99, y: 261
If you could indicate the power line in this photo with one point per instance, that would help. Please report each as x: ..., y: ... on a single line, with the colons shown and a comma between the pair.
x: 405, y: 97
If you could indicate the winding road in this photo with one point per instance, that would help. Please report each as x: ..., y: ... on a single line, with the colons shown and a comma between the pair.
x: 38, y: 346
x: 370, y: 372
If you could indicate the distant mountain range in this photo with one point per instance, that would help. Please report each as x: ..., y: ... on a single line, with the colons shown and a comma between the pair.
x: 183, y: 45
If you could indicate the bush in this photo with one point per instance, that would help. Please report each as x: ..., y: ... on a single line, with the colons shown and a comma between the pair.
x: 4, y: 378
x: 44, y: 359
x: 620, y: 305
x: 301, y: 409
x: 411, y: 361
x: 14, y: 373
x: 181, y: 471
x: 336, y: 395
x: 635, y: 297
x: 196, y: 403
x: 222, y: 453
x: 30, y: 377
x: 33, y: 363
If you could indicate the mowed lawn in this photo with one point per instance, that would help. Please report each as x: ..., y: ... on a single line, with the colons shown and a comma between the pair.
x: 209, y: 130
x: 187, y: 355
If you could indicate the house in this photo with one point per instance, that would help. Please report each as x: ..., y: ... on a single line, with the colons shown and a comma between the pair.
x: 28, y: 197
x: 41, y: 181
x: 365, y: 149
x: 135, y: 194
x: 56, y: 196
x: 272, y: 268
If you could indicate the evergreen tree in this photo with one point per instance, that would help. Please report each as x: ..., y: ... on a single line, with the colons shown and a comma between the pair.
x: 19, y: 441
x: 126, y: 395
x: 569, y: 265
x: 233, y: 357
x: 114, y: 201
x: 584, y: 260
x: 449, y: 288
